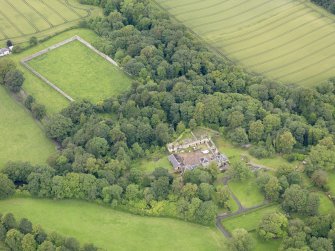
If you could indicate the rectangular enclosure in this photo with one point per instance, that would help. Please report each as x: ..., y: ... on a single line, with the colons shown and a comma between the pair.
x: 78, y: 71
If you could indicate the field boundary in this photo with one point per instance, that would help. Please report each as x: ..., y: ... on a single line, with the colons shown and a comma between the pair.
x: 25, y: 61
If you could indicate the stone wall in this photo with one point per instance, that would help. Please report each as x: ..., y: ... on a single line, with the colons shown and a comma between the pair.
x: 25, y: 61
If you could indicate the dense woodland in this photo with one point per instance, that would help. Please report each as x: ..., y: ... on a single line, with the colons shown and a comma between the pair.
x: 178, y: 83
x: 327, y: 4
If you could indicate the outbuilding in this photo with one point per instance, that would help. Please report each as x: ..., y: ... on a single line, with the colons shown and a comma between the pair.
x: 4, y: 52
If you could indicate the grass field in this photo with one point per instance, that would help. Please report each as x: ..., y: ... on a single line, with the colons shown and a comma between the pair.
x: 43, y: 93
x: 114, y: 230
x: 21, y: 137
x: 285, y: 40
x: 22, y: 19
x: 81, y: 73
x: 250, y: 220
x: 247, y: 192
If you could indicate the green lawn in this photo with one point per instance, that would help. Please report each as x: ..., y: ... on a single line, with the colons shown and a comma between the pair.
x: 250, y: 220
x: 285, y: 40
x: 152, y: 162
x: 81, y: 73
x: 22, y: 139
x: 247, y: 192
x: 114, y: 230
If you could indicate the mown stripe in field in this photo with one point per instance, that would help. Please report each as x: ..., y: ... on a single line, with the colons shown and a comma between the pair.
x: 278, y: 17
x: 265, y: 13
x: 311, y: 53
x: 221, y: 11
x: 215, y: 13
x: 227, y: 18
x: 280, y: 42
x: 10, y: 22
x: 69, y: 7
x: 317, y: 29
x: 268, y: 25
x: 52, y: 17
x: 202, y: 9
x: 289, y: 52
x: 182, y: 5
x: 38, y: 13
x: 306, y: 67
x: 4, y: 35
x: 23, y: 16
x: 276, y: 37
x: 316, y: 75
x: 53, y: 10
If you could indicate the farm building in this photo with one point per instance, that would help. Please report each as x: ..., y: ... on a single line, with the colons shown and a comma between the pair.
x: 196, y: 153
x: 4, y: 52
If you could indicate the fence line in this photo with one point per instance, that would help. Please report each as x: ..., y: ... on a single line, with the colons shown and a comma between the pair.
x: 55, y: 46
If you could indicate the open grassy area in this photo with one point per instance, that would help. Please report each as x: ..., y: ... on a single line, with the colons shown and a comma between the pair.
x: 150, y: 163
x: 250, y: 220
x: 43, y: 93
x: 326, y: 205
x: 236, y: 152
x: 287, y: 40
x: 22, y: 19
x: 21, y: 137
x: 114, y: 230
x: 247, y: 192
x: 81, y: 73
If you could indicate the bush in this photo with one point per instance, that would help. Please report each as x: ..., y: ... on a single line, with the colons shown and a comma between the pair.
x: 38, y: 111
x: 260, y: 152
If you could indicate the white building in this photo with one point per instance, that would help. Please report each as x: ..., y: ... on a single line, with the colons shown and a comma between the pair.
x: 4, y: 52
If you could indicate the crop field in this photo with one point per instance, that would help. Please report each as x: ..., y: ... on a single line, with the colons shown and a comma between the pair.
x: 21, y: 137
x: 80, y: 72
x: 285, y: 40
x: 114, y: 230
x: 21, y: 19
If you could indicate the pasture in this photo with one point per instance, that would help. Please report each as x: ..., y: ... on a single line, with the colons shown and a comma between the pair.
x: 114, y: 230
x: 22, y: 19
x: 81, y: 73
x: 22, y: 139
x: 285, y: 40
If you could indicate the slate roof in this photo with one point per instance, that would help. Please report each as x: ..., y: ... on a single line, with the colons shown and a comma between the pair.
x: 174, y: 161
x: 4, y: 50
